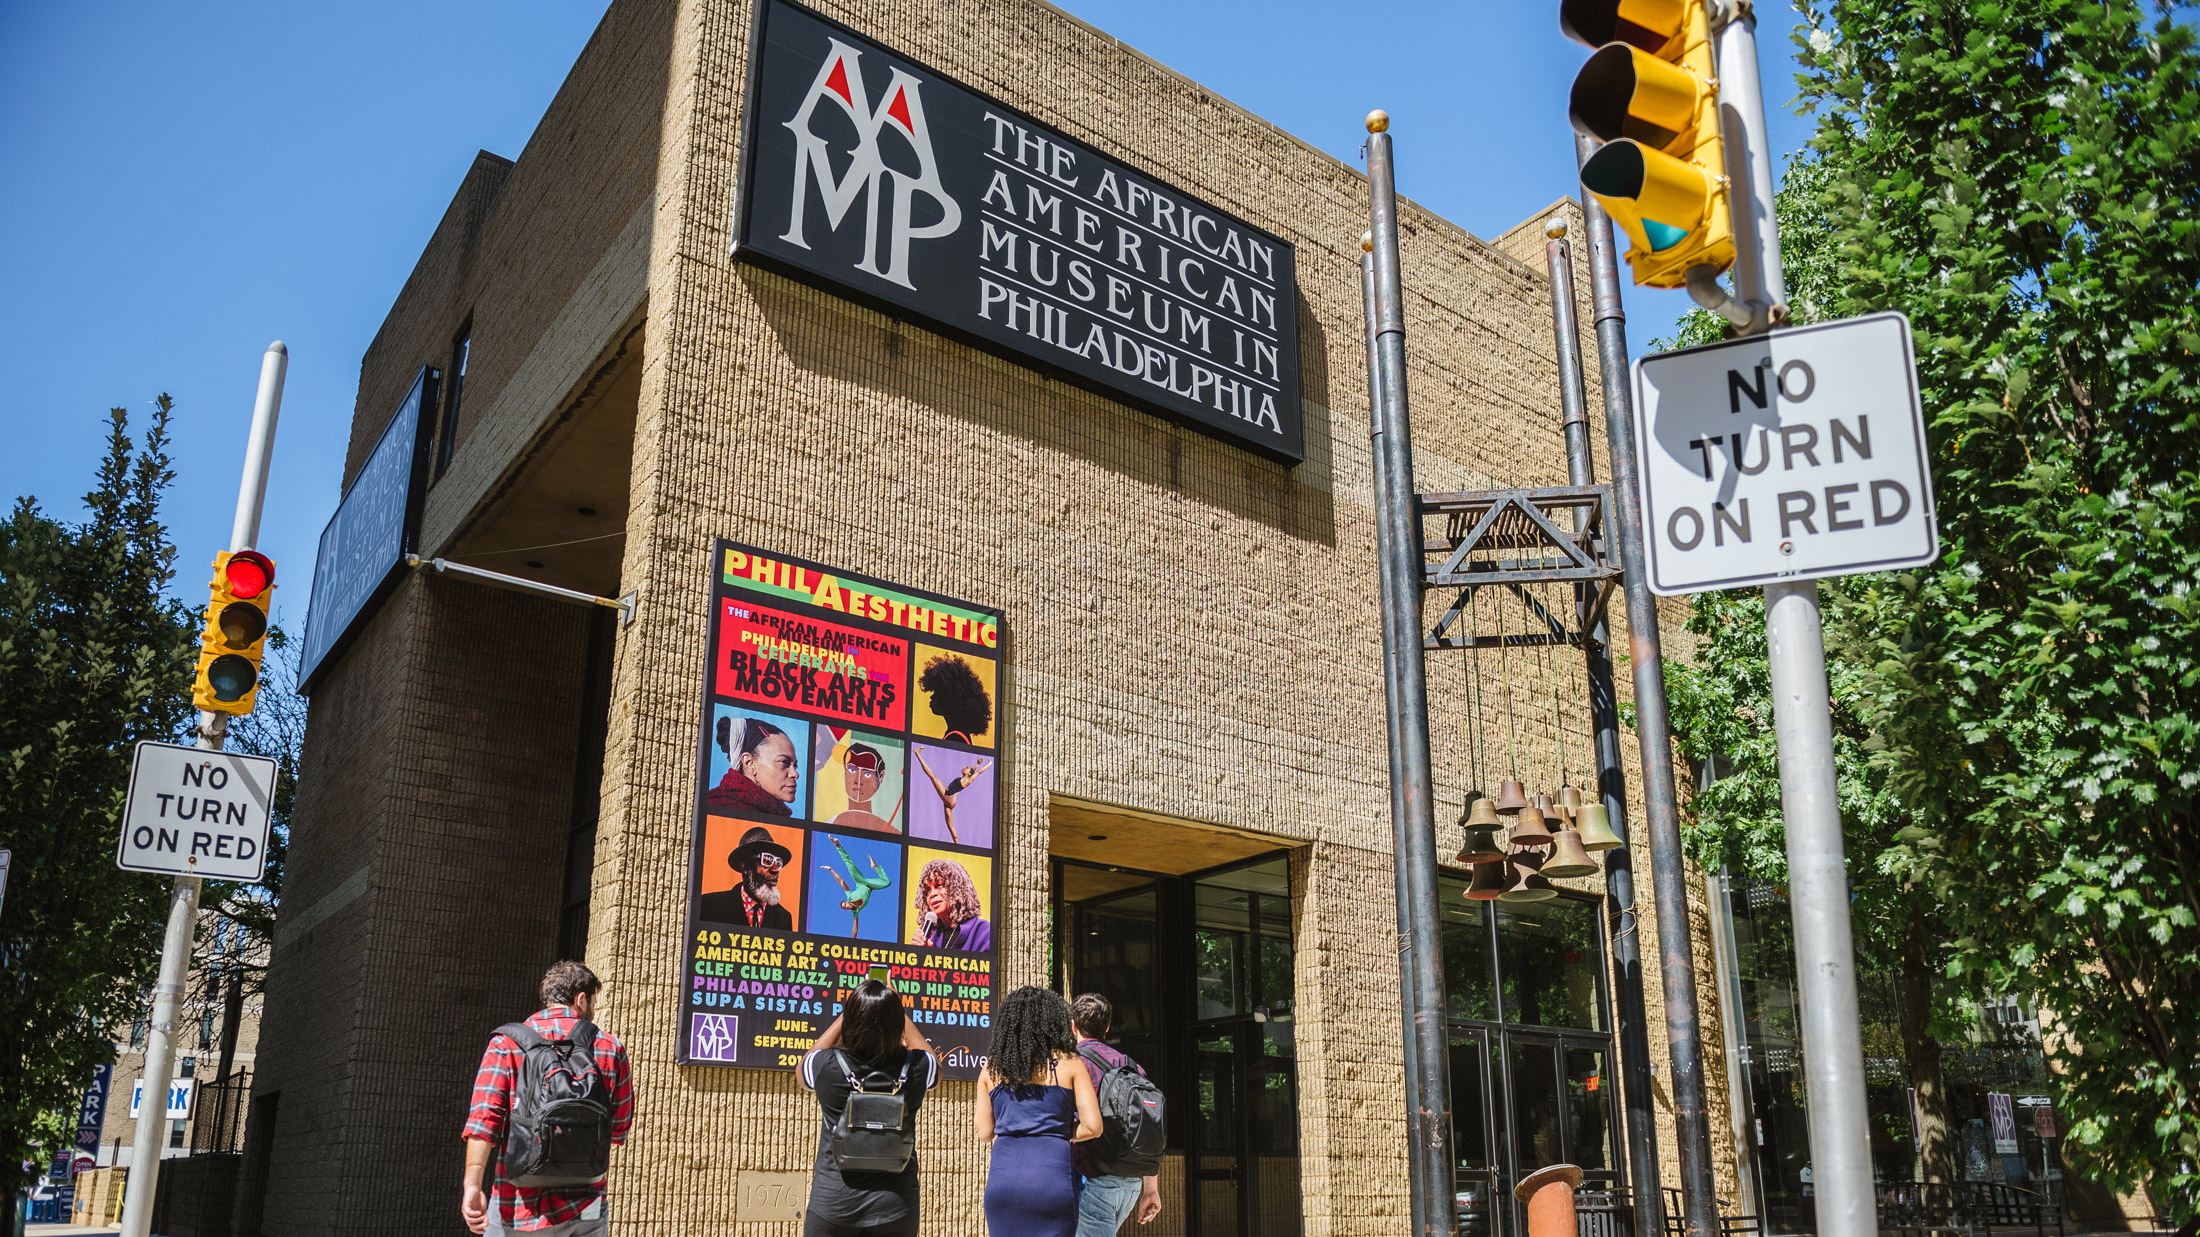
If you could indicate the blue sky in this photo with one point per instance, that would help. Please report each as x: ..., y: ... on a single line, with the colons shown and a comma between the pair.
x: 180, y: 184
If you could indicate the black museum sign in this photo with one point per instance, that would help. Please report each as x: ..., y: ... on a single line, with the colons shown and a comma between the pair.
x: 866, y: 171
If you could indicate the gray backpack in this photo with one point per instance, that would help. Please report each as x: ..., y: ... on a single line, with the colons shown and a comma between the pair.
x: 1134, y: 1121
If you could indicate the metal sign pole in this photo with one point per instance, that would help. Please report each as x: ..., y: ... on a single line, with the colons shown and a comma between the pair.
x: 1398, y: 549
x: 1668, y: 879
x: 1795, y: 645
x: 1629, y: 1012
x: 183, y: 897
x: 1390, y: 699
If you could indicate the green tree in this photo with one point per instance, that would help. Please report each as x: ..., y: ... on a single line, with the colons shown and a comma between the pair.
x: 93, y: 658
x: 1722, y: 710
x: 2020, y: 177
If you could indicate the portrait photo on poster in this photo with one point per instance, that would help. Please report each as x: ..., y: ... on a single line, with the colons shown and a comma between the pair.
x: 954, y: 696
x: 948, y: 904
x: 740, y: 874
x: 951, y: 795
x: 861, y: 780
x: 757, y: 764
x: 855, y: 887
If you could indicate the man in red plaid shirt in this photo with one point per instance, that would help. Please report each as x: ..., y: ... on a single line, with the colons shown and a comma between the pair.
x: 568, y: 996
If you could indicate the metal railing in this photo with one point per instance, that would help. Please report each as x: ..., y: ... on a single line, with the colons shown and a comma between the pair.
x: 217, y: 1121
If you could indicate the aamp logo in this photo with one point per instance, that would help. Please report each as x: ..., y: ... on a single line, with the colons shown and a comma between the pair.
x: 901, y: 109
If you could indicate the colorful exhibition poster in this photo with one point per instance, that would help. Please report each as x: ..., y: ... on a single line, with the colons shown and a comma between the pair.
x: 846, y: 800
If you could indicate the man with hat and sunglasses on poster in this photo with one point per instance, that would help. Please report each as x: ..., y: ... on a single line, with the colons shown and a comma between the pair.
x: 753, y: 902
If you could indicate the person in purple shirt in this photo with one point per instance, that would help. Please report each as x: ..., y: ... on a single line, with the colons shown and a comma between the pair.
x: 1105, y: 1200
x: 948, y: 912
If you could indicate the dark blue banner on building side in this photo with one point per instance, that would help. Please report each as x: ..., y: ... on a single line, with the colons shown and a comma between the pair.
x: 376, y: 525
x: 864, y: 170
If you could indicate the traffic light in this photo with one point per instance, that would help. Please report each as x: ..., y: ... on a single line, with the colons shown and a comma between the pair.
x: 236, y: 629
x: 1650, y: 94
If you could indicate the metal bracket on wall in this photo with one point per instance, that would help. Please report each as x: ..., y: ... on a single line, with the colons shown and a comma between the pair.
x: 1511, y: 538
x: 625, y: 605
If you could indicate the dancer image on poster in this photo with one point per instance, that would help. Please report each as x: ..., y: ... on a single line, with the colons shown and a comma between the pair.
x: 865, y: 767
x: 958, y: 696
x: 765, y: 772
x: 755, y: 901
x: 952, y: 790
x: 949, y: 914
x: 859, y: 893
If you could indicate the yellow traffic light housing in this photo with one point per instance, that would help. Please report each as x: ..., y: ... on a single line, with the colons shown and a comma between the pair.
x: 1650, y: 94
x: 228, y: 676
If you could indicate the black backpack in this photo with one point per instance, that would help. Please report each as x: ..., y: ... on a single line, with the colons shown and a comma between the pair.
x: 1134, y: 1127
x: 873, y: 1134
x: 559, y: 1132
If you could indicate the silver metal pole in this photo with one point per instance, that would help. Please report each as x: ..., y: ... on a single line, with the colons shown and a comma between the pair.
x: 143, y: 1183
x: 1795, y: 644
x: 1397, y: 788
x: 1398, y: 548
x: 259, y: 447
x: 160, y: 1058
x: 1661, y: 800
x: 1818, y: 896
x: 1757, y: 274
x: 1628, y: 1006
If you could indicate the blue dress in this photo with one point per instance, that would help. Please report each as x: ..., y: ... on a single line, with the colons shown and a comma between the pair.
x: 1032, y: 1190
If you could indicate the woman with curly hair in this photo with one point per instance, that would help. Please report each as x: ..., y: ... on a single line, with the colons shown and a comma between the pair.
x: 958, y: 696
x: 1035, y: 1099
x: 948, y: 912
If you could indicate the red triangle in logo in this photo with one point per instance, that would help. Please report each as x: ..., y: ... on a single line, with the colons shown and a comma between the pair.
x: 838, y: 83
x: 899, y: 110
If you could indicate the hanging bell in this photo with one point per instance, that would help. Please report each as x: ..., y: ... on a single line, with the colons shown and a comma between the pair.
x: 1488, y: 883
x: 1570, y: 799
x: 1529, y: 829
x: 1541, y: 802
x: 1485, y: 842
x: 1567, y: 858
x: 1511, y: 797
x: 1595, y: 823
x: 1527, y: 884
x: 1483, y: 814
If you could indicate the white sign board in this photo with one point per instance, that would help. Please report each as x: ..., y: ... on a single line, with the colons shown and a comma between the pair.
x: 1796, y: 455
x: 194, y: 812
x: 179, y: 1099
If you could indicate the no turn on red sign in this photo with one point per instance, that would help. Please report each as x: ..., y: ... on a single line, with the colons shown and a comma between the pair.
x: 195, y: 812
x: 1796, y: 455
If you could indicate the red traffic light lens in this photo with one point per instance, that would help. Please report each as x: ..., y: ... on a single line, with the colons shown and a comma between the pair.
x: 230, y: 678
x: 248, y: 574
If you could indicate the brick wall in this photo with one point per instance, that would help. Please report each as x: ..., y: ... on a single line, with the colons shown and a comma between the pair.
x: 427, y: 860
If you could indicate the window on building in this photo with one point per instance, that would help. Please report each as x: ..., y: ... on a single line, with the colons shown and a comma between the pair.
x: 454, y: 388
x: 185, y: 1066
x: 137, y: 1031
x: 206, y: 1030
x: 1550, y: 955
x: 175, y: 1133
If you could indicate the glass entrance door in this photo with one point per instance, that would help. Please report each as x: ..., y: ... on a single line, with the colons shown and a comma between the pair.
x: 1560, y: 1110
x: 1200, y: 970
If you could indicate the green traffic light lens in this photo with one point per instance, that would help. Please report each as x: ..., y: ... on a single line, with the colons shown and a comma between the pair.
x: 231, y: 678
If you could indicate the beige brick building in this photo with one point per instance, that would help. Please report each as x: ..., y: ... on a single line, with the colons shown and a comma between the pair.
x: 493, y: 779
